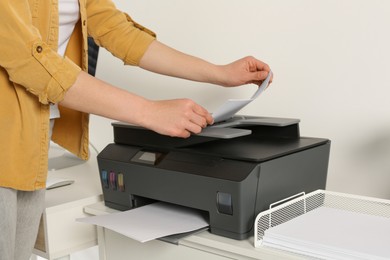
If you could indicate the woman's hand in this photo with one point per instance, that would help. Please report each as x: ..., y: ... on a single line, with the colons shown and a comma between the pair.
x: 176, y: 118
x: 243, y: 71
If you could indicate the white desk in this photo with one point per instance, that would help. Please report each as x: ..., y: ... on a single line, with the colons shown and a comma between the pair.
x: 59, y: 234
x: 203, y: 245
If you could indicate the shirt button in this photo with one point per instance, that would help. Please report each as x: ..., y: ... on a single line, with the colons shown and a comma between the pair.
x: 39, y: 49
x: 84, y: 22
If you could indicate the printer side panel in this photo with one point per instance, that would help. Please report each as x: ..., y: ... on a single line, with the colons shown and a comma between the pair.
x: 239, y: 223
x: 305, y: 171
x: 277, y: 179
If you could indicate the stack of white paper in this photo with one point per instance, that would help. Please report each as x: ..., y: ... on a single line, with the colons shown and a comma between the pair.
x: 329, y: 233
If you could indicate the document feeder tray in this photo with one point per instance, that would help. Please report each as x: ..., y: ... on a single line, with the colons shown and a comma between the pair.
x: 230, y: 179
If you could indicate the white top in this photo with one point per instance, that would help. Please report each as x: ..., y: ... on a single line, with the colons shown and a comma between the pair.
x: 69, y: 14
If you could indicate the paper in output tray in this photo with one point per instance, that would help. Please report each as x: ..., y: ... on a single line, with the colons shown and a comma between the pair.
x: 329, y: 233
x: 151, y: 221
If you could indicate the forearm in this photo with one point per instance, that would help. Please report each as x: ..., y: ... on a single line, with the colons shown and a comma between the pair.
x: 93, y: 96
x: 178, y: 118
x: 162, y: 59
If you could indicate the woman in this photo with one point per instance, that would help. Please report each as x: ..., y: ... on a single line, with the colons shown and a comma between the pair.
x: 43, y: 59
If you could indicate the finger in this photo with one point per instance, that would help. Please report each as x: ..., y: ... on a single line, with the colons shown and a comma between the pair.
x: 261, y: 66
x: 261, y: 76
x: 258, y: 77
x: 256, y: 65
x: 204, y: 114
x: 185, y: 134
x: 178, y: 132
x: 199, y: 120
x: 193, y: 128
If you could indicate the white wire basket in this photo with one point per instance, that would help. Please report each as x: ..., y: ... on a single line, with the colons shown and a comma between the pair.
x: 295, y: 207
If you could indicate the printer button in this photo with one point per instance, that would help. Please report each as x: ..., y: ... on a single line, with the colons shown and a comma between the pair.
x: 224, y: 203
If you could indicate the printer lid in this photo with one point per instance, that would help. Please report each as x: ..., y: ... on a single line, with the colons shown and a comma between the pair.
x: 248, y: 148
x: 262, y: 139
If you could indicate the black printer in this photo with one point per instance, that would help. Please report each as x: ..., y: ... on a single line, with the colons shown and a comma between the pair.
x: 231, y: 171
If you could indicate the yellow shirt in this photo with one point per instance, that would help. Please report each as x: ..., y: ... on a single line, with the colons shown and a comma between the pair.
x: 33, y: 75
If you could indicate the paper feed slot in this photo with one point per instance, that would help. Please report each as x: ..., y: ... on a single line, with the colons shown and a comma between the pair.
x: 237, y: 126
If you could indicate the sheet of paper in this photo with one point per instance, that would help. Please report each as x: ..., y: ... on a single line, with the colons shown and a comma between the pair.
x: 330, y: 233
x: 151, y: 221
x: 232, y: 106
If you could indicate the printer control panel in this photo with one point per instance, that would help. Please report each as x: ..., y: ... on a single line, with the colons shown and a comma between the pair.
x: 147, y: 157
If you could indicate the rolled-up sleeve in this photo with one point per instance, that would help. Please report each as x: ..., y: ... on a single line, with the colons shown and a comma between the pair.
x: 118, y: 32
x: 28, y: 60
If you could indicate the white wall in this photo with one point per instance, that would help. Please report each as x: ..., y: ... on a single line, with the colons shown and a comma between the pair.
x: 331, y: 61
